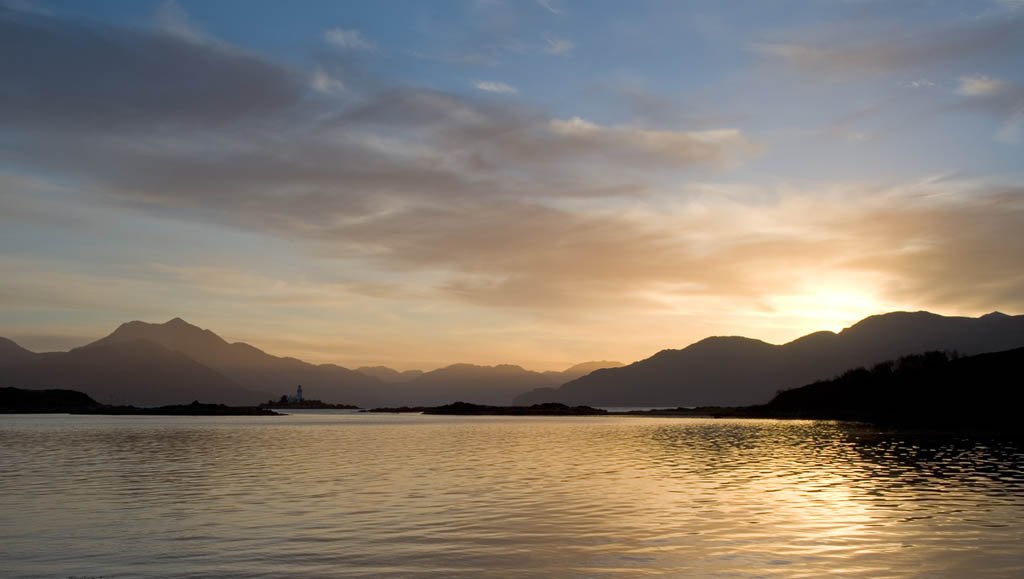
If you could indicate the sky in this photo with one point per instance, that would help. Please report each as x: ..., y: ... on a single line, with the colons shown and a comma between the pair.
x: 538, y: 182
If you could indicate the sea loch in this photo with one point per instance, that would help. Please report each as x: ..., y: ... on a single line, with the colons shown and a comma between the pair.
x: 320, y: 494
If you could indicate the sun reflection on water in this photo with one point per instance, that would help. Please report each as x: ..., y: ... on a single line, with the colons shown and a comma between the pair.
x: 365, y: 495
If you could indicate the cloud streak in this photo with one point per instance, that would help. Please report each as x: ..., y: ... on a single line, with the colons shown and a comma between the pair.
x: 559, y: 46
x: 495, y: 87
x: 347, y: 39
x: 979, y: 85
x: 879, y: 51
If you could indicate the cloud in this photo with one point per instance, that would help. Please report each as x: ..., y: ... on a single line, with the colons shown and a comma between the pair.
x: 325, y: 84
x: 549, y: 6
x: 712, y: 146
x: 557, y: 45
x: 472, y: 193
x: 173, y: 20
x: 349, y: 39
x: 28, y: 6
x: 150, y: 80
x: 495, y: 87
x: 979, y: 85
x: 878, y: 50
x: 994, y: 98
x: 919, y: 83
x: 896, y: 242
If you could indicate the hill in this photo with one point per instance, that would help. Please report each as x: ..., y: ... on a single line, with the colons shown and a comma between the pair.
x: 389, y: 375
x: 12, y: 354
x: 930, y: 389
x: 251, y: 367
x: 138, y: 372
x: 736, y: 371
x: 175, y: 362
x: 495, y: 385
x: 578, y: 370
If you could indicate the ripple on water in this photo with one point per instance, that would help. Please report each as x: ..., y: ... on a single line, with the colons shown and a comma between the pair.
x: 335, y: 495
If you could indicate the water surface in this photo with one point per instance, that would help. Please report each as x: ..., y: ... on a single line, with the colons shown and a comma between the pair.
x: 322, y: 494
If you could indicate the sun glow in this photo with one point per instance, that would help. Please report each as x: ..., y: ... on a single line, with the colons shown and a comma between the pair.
x: 829, y: 307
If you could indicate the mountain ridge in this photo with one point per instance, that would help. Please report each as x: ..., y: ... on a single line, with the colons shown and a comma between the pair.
x: 134, y: 371
x: 264, y: 376
x: 251, y: 366
x: 738, y: 371
x: 717, y: 370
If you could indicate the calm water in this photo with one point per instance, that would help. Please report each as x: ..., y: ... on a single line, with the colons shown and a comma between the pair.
x: 326, y: 495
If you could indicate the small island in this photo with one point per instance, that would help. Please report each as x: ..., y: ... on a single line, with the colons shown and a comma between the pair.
x: 297, y: 402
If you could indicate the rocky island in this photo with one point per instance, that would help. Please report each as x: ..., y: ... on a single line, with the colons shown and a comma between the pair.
x: 306, y: 405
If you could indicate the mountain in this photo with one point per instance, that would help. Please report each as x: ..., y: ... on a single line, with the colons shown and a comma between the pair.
x: 389, y: 375
x: 579, y: 370
x: 253, y: 368
x: 489, y: 385
x: 930, y: 389
x: 736, y: 371
x: 114, y: 370
x: 494, y: 385
x: 139, y: 372
x: 12, y: 354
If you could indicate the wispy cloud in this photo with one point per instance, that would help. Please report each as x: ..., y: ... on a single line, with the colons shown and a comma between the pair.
x: 549, y: 6
x: 997, y: 99
x: 918, y: 83
x: 172, y: 19
x: 350, y: 39
x: 495, y: 87
x: 979, y: 85
x: 715, y: 146
x: 876, y: 51
x: 557, y: 45
x: 326, y: 84
x: 27, y: 6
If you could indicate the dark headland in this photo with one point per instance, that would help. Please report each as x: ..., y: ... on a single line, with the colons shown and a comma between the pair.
x: 51, y: 401
x: 930, y: 390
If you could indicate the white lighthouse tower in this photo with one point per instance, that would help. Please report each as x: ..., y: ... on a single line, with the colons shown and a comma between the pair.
x: 298, y: 394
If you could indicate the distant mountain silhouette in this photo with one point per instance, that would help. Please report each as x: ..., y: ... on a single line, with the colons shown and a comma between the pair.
x: 253, y: 368
x: 490, y: 385
x: 929, y: 389
x: 147, y: 364
x: 495, y: 385
x: 736, y: 371
x: 139, y: 372
x: 389, y: 375
x: 579, y: 370
x: 12, y: 354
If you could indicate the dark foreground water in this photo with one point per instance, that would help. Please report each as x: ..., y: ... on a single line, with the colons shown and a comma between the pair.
x: 328, y: 495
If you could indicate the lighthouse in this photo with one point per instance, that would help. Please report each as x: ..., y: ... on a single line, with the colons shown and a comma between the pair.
x: 298, y: 394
